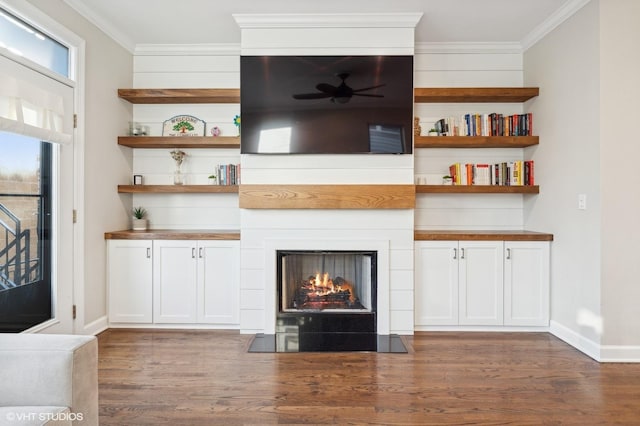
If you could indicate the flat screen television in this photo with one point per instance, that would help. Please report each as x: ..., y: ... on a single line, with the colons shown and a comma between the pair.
x: 326, y: 104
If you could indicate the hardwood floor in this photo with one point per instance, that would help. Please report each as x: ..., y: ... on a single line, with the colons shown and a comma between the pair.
x: 208, y: 378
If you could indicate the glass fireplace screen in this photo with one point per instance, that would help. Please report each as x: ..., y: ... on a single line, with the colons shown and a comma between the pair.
x: 327, y: 280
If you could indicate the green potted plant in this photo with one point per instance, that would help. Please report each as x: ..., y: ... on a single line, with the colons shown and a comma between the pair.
x: 139, y: 219
x: 212, y: 179
x: 433, y: 132
x: 447, y: 180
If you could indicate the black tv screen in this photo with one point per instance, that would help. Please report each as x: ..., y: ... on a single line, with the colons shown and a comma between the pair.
x: 326, y: 104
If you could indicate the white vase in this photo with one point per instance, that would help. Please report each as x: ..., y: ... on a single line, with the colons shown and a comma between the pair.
x: 139, y: 224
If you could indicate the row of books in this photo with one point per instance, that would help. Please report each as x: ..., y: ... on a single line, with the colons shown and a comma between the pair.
x: 486, y: 125
x: 228, y: 174
x: 513, y: 173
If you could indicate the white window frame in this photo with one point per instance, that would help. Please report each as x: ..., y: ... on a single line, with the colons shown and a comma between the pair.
x: 64, y: 205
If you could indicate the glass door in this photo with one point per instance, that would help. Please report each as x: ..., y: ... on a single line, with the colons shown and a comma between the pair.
x: 25, y: 232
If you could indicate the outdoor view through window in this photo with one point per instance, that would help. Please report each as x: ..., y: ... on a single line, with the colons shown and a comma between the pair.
x: 25, y: 287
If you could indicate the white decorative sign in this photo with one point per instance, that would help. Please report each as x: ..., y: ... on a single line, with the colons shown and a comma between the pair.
x: 183, y: 125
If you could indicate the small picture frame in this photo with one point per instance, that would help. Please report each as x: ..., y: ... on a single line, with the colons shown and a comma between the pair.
x: 137, y: 179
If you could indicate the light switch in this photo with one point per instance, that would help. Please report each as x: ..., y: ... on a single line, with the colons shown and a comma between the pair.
x: 582, y: 201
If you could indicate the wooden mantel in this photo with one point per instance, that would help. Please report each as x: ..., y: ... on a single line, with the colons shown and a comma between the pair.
x: 327, y: 196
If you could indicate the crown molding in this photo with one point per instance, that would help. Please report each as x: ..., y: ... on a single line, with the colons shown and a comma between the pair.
x: 327, y: 20
x: 552, y: 22
x: 187, y: 49
x: 468, y: 47
x: 102, y: 24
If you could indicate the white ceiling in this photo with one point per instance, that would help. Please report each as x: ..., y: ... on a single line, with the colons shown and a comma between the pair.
x: 141, y: 22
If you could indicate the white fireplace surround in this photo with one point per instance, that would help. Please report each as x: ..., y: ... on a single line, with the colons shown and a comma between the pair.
x: 271, y: 246
x: 387, y: 231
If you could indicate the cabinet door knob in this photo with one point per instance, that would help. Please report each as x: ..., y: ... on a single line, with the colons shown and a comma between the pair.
x: 461, y: 253
x: 148, y: 253
x: 193, y: 252
x: 455, y: 253
x: 508, y: 254
x: 200, y: 252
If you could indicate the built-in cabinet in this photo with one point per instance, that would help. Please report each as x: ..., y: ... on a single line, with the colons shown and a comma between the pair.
x: 475, y: 281
x: 130, y: 281
x: 174, y: 281
x: 482, y: 283
x: 526, y: 283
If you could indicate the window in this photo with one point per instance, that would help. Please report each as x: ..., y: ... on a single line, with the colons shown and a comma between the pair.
x: 24, y: 40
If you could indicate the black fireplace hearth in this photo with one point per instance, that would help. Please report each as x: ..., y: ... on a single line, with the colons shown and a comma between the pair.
x: 392, y: 343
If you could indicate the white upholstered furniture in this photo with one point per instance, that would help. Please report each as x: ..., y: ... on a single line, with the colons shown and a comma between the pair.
x: 48, y: 379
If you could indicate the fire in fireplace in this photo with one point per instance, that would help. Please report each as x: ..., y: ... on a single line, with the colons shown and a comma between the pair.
x: 327, y: 300
x: 326, y: 281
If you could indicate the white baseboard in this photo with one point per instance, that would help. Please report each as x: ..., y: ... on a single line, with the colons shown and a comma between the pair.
x: 601, y: 353
x: 616, y: 353
x: 96, y: 327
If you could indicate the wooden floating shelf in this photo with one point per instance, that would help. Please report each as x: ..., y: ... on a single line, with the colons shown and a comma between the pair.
x: 421, y: 95
x: 499, y: 235
x: 477, y: 189
x: 179, y: 141
x: 177, y: 189
x: 180, y: 96
x: 474, y: 94
x: 173, y: 234
x: 475, y: 141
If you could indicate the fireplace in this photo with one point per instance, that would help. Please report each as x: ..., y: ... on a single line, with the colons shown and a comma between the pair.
x: 326, y: 300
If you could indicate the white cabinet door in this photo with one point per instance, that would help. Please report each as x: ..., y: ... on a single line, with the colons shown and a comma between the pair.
x: 130, y: 281
x: 480, y: 269
x: 174, y: 281
x: 219, y: 282
x: 526, y: 283
x: 436, y: 284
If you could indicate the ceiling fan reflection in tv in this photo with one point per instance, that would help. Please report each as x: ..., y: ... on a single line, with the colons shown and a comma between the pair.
x: 340, y: 94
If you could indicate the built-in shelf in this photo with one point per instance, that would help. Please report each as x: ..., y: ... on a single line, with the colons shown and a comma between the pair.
x: 180, y: 96
x: 179, y: 141
x: 475, y: 141
x: 476, y: 189
x: 177, y: 189
x: 474, y: 94
x: 173, y: 234
x: 421, y: 95
x: 497, y: 235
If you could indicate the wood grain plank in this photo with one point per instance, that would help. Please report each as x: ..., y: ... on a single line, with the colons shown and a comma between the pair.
x: 188, y: 377
x: 472, y: 235
x: 180, y: 96
x: 327, y: 196
x: 177, y: 189
x: 179, y: 142
x: 477, y: 189
x: 173, y: 234
x: 474, y: 94
x: 475, y: 141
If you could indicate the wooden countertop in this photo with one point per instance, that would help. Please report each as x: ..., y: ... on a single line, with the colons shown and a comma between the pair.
x: 497, y: 235
x: 173, y: 234
x: 419, y: 235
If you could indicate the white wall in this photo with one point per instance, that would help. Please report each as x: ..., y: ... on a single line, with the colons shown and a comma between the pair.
x: 107, y: 67
x: 619, y: 153
x: 565, y: 65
